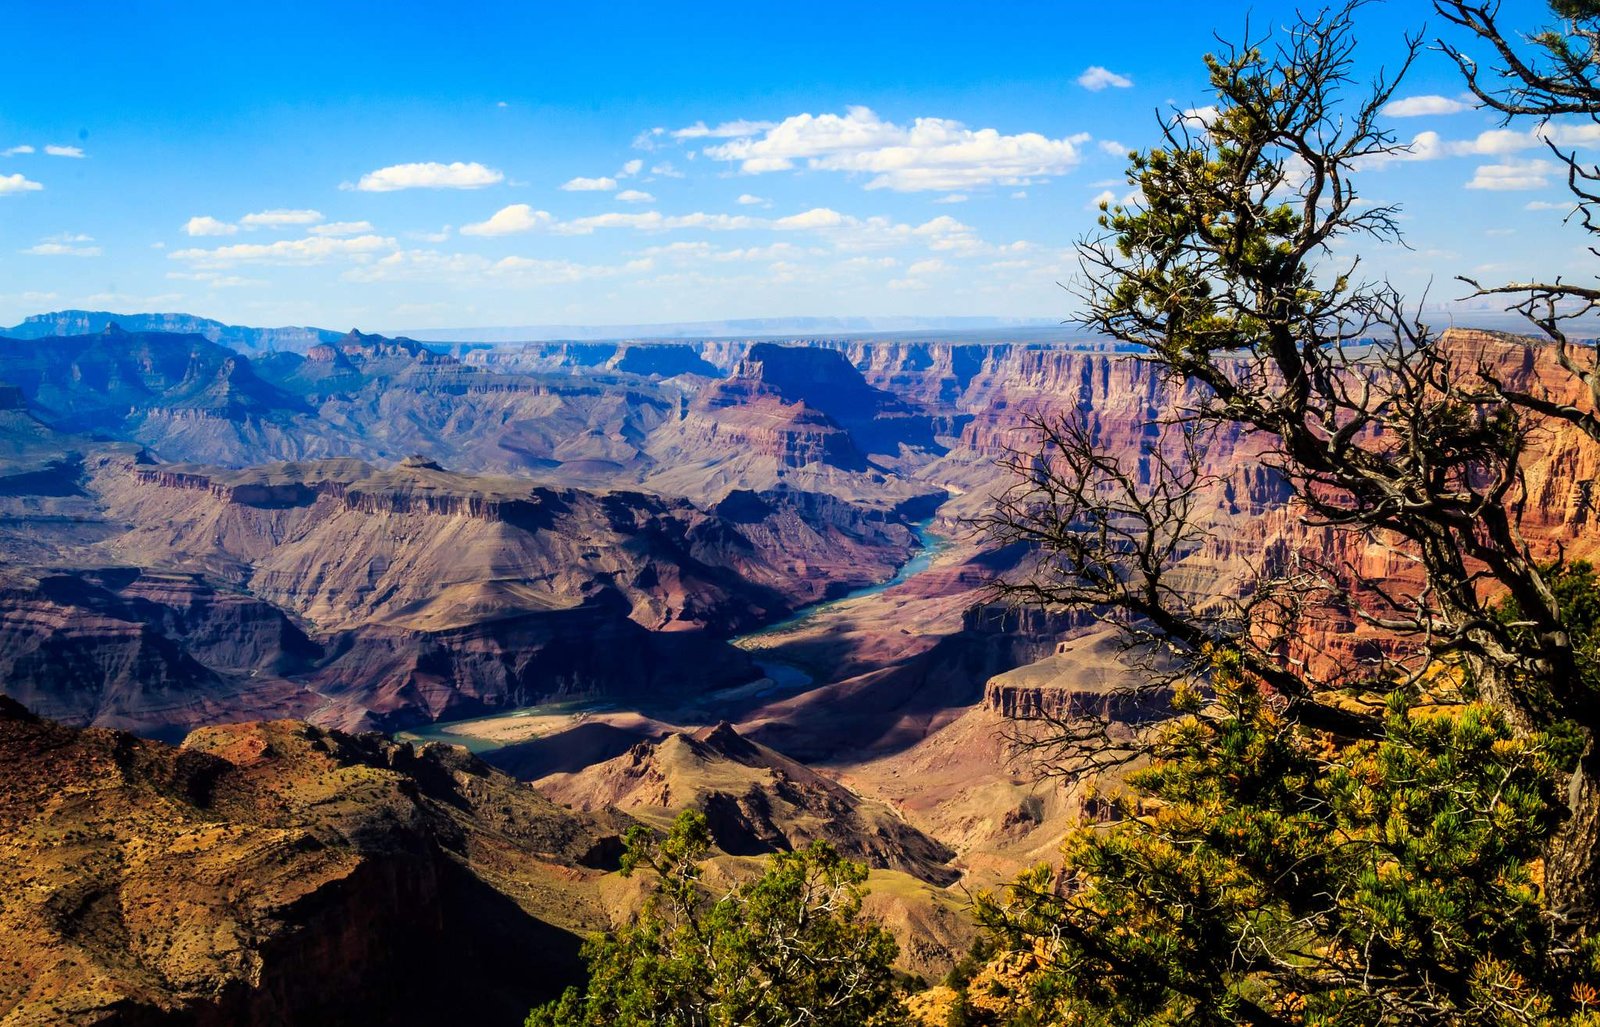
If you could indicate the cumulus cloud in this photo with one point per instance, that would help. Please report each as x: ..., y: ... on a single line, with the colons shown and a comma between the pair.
x: 633, y: 167
x: 1547, y: 205
x: 519, y: 217
x: 666, y: 170
x: 18, y: 184
x: 1096, y: 78
x: 816, y: 217
x: 429, y: 175
x: 1417, y: 106
x: 63, y: 151
x: 603, y: 184
x: 207, y: 225
x: 635, y: 196
x: 1495, y: 142
x: 930, y: 154
x: 952, y: 198
x: 752, y: 200
x: 1512, y: 174
x: 280, y: 217
x: 311, y: 250
x: 343, y: 228
x: 15, y: 150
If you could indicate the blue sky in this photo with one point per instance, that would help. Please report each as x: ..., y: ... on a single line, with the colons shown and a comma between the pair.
x: 398, y: 166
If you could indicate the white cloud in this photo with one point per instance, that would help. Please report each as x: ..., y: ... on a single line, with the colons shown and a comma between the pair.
x: 633, y: 167
x: 654, y: 221
x: 62, y: 249
x: 311, y: 250
x: 207, y: 225
x: 519, y: 217
x: 647, y: 139
x: 1096, y: 78
x: 635, y: 196
x: 603, y: 184
x: 726, y: 130
x: 1417, y: 106
x: 915, y: 277
x: 343, y: 228
x: 280, y: 217
x: 1106, y: 197
x: 17, y: 184
x: 1020, y: 194
x: 429, y: 175
x: 930, y: 154
x: 666, y: 170
x: 952, y: 198
x: 13, y: 151
x: 752, y: 200
x: 1495, y: 142
x: 1547, y: 205
x: 816, y: 217
x: 215, y: 279
x: 1513, y: 174
x: 63, y: 151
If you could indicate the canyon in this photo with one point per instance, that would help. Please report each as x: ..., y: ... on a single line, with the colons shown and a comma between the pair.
x: 360, y: 637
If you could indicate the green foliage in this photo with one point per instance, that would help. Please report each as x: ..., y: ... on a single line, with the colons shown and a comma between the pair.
x: 1265, y: 874
x: 788, y: 948
x: 1576, y: 587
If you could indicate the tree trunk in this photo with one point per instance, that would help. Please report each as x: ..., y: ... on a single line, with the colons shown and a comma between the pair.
x: 1572, y: 866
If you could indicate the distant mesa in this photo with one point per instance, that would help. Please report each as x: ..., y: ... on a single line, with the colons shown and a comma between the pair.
x: 89, y: 322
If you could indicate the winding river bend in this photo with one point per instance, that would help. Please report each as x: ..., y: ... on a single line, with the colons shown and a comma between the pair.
x: 780, y: 677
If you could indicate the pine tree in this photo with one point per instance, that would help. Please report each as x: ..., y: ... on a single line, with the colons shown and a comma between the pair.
x: 789, y: 948
x: 1409, y: 841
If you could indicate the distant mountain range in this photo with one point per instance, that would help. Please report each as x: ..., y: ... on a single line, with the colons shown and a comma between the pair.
x: 250, y: 340
x: 299, y: 339
x: 738, y: 328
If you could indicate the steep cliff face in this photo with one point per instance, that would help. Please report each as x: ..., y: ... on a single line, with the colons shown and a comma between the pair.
x: 274, y: 873
x: 149, y: 653
x: 342, y: 543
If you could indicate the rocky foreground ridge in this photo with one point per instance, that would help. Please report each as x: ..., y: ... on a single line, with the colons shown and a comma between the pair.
x: 278, y: 873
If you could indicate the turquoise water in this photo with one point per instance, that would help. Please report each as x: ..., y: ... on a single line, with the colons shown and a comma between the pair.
x: 931, y: 546
x: 785, y: 677
x: 437, y: 731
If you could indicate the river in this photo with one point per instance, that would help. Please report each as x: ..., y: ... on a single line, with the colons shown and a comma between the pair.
x: 780, y: 677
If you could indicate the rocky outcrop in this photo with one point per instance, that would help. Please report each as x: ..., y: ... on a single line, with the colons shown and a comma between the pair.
x: 1088, y: 676
x: 663, y: 359
x: 275, y: 873
x: 755, y: 799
